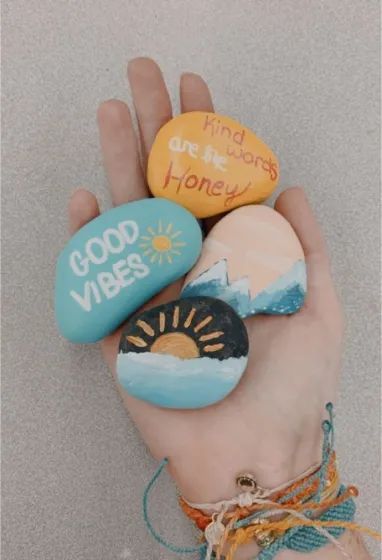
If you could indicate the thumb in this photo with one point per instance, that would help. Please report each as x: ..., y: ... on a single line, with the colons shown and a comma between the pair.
x: 294, y: 206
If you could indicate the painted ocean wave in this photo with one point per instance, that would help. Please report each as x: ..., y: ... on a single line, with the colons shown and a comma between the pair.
x: 282, y: 297
x: 172, y: 382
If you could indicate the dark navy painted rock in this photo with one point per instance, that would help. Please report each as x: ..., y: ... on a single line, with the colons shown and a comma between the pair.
x: 189, y: 353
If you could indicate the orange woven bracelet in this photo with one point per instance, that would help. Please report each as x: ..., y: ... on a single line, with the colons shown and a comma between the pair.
x: 202, y: 520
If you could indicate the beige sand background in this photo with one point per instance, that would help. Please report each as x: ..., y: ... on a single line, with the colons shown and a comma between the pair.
x: 304, y: 75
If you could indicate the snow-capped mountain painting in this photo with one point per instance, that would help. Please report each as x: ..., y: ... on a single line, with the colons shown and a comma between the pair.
x: 282, y: 297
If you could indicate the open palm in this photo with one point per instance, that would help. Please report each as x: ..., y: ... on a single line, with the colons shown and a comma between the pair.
x: 270, y: 424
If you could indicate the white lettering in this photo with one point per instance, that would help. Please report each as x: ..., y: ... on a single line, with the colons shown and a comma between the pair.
x: 177, y: 144
x: 109, y: 285
x: 121, y: 272
x: 108, y: 236
x: 95, y: 241
x: 132, y: 235
x: 96, y: 292
x: 212, y: 156
x: 79, y: 265
x: 85, y: 300
x: 137, y: 265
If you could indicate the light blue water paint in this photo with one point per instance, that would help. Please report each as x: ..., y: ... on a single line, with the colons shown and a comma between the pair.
x: 171, y: 382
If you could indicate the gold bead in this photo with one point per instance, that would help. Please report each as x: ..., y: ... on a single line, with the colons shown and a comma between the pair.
x: 246, y: 482
x: 353, y: 491
x: 265, y: 539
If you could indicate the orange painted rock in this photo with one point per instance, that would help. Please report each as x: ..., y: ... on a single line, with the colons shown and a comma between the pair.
x: 252, y: 260
x: 210, y: 164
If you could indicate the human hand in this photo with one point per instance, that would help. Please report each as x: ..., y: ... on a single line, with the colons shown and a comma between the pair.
x: 271, y: 423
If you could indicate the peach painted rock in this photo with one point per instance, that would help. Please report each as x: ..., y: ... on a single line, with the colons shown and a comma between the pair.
x: 210, y: 164
x: 188, y: 353
x: 252, y: 260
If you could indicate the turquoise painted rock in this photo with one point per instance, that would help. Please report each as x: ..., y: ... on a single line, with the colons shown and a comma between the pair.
x: 118, y: 261
x: 253, y: 260
x: 188, y: 353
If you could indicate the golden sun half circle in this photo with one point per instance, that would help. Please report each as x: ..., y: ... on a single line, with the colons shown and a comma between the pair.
x: 176, y: 344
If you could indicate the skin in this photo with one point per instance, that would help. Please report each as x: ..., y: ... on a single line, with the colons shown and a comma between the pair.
x: 270, y: 424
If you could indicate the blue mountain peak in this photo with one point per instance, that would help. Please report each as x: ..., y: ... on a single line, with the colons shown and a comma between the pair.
x: 282, y: 297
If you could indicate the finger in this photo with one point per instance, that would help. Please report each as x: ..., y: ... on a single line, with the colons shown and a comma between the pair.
x: 120, y: 152
x: 294, y: 206
x: 194, y: 94
x: 83, y: 207
x: 151, y: 100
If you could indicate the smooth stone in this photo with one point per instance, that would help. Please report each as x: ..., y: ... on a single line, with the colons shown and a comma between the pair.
x: 210, y: 164
x: 118, y: 261
x: 253, y: 260
x: 188, y: 353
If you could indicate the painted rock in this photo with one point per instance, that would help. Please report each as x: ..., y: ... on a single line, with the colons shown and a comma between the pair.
x: 118, y: 261
x: 253, y: 260
x: 210, y: 164
x: 185, y: 354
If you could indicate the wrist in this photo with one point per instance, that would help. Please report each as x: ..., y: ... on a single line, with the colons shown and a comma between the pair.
x: 211, y: 480
x: 203, y: 476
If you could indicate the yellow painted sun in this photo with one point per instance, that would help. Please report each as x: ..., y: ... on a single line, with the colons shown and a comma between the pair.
x: 186, y: 339
x: 161, y: 245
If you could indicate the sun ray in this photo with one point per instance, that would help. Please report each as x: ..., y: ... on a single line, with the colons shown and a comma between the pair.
x: 148, y: 252
x: 213, y: 347
x: 144, y: 245
x: 169, y: 228
x: 145, y: 327
x: 173, y: 252
x: 175, y: 319
x: 154, y: 257
x: 160, y: 259
x: 160, y: 226
x: 162, y: 321
x: 137, y: 341
x: 169, y: 259
x: 146, y: 237
x: 150, y: 230
x: 190, y: 316
x: 203, y: 323
x: 211, y: 336
x: 176, y: 234
x: 179, y: 244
